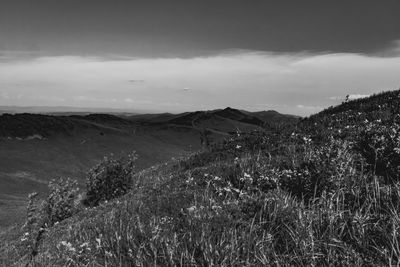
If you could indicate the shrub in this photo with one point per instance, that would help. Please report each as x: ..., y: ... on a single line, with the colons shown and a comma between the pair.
x: 109, y: 179
x: 61, y: 202
x: 380, y: 145
x: 59, y: 205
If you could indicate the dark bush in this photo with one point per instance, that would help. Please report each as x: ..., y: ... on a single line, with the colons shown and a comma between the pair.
x: 380, y: 146
x: 61, y: 202
x: 109, y: 179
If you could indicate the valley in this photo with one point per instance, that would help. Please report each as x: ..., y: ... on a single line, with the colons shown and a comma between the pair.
x: 35, y: 148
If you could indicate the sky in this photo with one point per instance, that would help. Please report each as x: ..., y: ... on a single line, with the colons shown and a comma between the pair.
x: 292, y: 56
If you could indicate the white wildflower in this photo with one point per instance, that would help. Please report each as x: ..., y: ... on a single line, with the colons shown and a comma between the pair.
x: 191, y: 209
x: 216, y: 178
x: 68, y: 246
x: 98, y: 243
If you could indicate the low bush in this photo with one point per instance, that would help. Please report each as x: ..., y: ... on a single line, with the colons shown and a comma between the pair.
x: 109, y: 179
x: 60, y: 204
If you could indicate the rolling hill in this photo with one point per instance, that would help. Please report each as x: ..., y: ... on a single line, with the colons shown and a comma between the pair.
x: 36, y: 148
x: 226, y: 120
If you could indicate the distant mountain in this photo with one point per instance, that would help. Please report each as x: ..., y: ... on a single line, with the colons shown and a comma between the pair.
x: 152, y: 118
x: 64, y: 110
x: 238, y: 115
x: 24, y: 125
x: 221, y: 121
x: 192, y: 118
x: 225, y: 120
x: 272, y: 116
x: 230, y: 119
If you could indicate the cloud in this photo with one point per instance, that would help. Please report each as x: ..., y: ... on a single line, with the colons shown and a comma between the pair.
x: 51, y: 99
x: 349, y: 96
x: 357, y: 96
x: 392, y: 50
x: 310, y: 107
x: 241, y: 79
x: 4, y: 95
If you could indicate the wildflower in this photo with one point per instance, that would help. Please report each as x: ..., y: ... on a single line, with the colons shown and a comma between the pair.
x: 85, y: 244
x: 236, y: 190
x: 189, y: 180
x: 98, y: 243
x: 216, y: 178
x: 216, y: 208
x: 191, y: 209
x: 68, y: 246
x: 165, y: 220
x: 268, y: 238
x: 25, y: 237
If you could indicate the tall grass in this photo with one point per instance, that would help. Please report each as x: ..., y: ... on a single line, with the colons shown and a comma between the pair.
x: 241, y: 213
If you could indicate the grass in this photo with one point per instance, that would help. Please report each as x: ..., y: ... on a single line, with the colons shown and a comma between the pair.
x: 27, y: 166
x: 216, y: 215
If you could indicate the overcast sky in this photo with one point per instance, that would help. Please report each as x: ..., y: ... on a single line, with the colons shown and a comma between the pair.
x: 292, y: 56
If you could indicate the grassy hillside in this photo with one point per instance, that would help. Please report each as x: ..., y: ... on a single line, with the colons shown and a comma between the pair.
x: 322, y: 192
x: 36, y: 148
